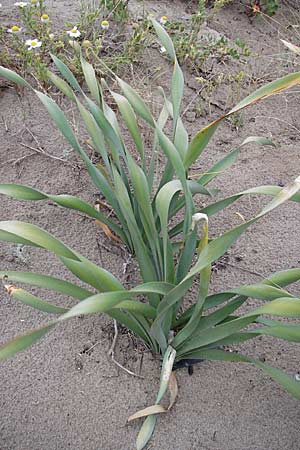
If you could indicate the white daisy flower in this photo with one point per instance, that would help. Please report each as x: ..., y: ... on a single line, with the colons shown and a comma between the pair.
x: 163, y: 20
x: 162, y: 50
x: 0, y: 5
x: 105, y: 24
x: 33, y: 43
x: 74, y: 32
x: 21, y: 4
x: 45, y: 18
x: 14, y: 29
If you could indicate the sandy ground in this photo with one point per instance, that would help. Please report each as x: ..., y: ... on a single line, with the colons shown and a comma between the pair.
x: 55, y: 396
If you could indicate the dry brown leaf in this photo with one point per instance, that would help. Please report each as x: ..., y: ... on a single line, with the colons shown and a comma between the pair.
x: 99, y: 203
x: 173, y: 388
x: 154, y: 409
x: 292, y: 47
x: 240, y: 216
x: 107, y: 231
x: 10, y: 288
x: 104, y: 227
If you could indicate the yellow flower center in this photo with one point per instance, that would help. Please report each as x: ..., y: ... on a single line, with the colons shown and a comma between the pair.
x: 45, y: 16
x: 104, y: 23
x: 33, y: 43
x: 73, y: 30
x: 164, y: 18
x: 15, y: 28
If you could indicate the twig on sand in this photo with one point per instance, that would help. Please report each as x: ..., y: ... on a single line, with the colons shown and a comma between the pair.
x: 42, y: 152
x: 5, y: 124
x: 244, y: 269
x: 111, y: 353
x: 18, y: 160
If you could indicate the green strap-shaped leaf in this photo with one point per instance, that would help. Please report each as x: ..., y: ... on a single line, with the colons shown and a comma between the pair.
x: 161, y: 122
x: 148, y: 426
x: 219, y: 246
x: 66, y: 73
x: 201, y: 139
x: 289, y: 332
x: 258, y: 291
x: 146, y: 265
x: 48, y: 282
x: 136, y: 102
x: 164, y: 39
x: 156, y: 287
x: 205, y: 274
x: 285, y: 194
x: 131, y: 123
x: 62, y: 85
x: 186, y: 254
x: 162, y: 203
x: 21, y: 192
x: 219, y: 167
x: 264, y: 190
x: 14, y: 77
x: 10, y: 237
x: 181, y: 139
x: 283, y: 278
x: 212, y: 252
x: 136, y: 323
x: 36, y: 236
x: 279, y: 279
x: 24, y: 341
x: 219, y: 315
x: 288, y: 383
x: 143, y: 309
x: 177, y: 86
x: 143, y: 200
x: 35, y: 302
x: 234, y: 339
x: 195, y: 188
x: 112, y: 119
x: 174, y: 158
x: 90, y: 273
x: 91, y: 80
x: 66, y: 130
x: 95, y: 133
x: 146, y: 432
x: 199, y: 142
x: 231, y: 158
x: 209, y: 336
x: 98, y: 303
x: 267, y: 90
x: 285, y: 307
x: 80, y: 266
x: 113, y: 138
x: 214, y: 208
x: 210, y: 302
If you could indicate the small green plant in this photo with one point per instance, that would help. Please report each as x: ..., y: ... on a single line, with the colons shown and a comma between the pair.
x: 171, y: 250
x: 218, y: 4
x: 198, y: 47
x: 268, y: 7
x: 194, y: 47
x: 27, y: 43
